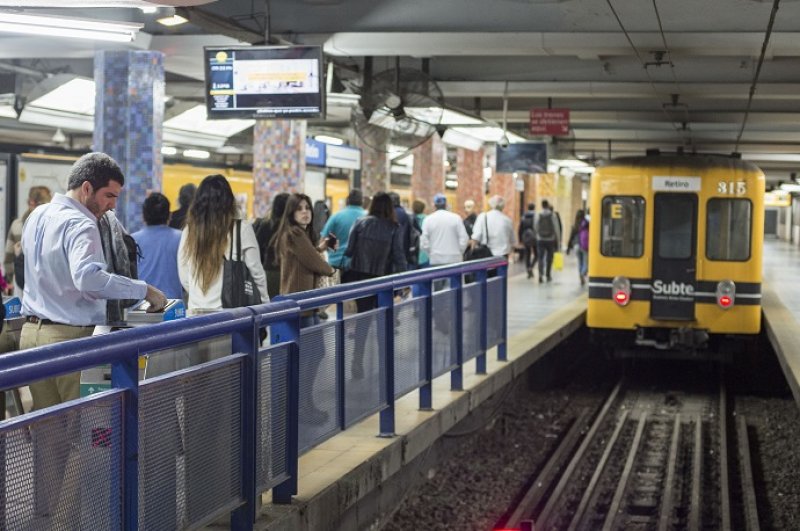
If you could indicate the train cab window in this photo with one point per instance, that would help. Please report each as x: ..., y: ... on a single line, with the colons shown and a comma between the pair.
x: 728, y: 224
x: 622, y: 233
x: 674, y: 225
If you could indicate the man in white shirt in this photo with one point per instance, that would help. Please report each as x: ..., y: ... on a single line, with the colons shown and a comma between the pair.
x: 494, y: 229
x: 443, y: 237
x: 66, y: 282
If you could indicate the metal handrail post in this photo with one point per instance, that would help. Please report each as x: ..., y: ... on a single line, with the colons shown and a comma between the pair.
x: 457, y: 374
x: 502, y: 348
x: 125, y: 375
x: 425, y: 289
x: 288, y: 330
x: 386, y: 301
x: 341, y: 389
x: 247, y: 341
x: 483, y: 320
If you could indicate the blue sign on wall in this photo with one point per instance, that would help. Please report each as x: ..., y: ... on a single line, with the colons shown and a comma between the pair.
x: 315, y: 152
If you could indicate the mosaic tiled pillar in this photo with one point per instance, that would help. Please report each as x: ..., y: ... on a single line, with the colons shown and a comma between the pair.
x: 502, y: 184
x: 279, y: 160
x: 469, y: 167
x: 427, y: 178
x: 374, y: 169
x: 129, y: 112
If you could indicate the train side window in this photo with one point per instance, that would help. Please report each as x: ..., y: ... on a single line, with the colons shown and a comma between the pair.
x: 728, y: 226
x: 622, y: 232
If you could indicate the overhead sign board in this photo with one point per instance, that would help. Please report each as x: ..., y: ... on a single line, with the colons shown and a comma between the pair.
x: 552, y: 122
x: 342, y: 157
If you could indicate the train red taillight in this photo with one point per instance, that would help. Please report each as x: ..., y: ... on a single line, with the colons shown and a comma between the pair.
x: 621, y: 290
x: 726, y: 294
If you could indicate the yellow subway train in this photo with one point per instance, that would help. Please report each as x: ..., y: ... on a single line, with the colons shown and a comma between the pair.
x: 675, y: 252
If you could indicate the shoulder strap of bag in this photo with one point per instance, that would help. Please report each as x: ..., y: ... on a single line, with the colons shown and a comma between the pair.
x: 486, y: 226
x: 239, y: 240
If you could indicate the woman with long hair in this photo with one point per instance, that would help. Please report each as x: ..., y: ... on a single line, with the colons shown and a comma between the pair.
x: 205, y: 241
x: 375, y: 249
x: 297, y: 252
x: 301, y: 263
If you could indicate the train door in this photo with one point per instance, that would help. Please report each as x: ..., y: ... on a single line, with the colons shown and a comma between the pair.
x: 674, y: 256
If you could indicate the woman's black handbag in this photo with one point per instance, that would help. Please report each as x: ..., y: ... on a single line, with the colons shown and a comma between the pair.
x: 480, y: 251
x: 238, y: 286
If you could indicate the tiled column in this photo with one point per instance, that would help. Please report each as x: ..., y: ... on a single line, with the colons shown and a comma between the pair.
x: 427, y: 178
x: 469, y: 167
x: 279, y: 160
x: 129, y: 112
x: 374, y: 169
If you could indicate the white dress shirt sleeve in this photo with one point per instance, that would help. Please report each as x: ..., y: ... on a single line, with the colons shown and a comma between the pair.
x: 87, y: 267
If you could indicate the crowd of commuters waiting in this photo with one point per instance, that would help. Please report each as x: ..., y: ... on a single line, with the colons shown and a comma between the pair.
x: 78, y: 258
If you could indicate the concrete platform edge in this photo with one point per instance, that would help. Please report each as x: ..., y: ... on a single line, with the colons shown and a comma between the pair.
x: 781, y: 327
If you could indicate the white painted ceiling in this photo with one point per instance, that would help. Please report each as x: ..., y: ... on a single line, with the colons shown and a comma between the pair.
x: 636, y: 74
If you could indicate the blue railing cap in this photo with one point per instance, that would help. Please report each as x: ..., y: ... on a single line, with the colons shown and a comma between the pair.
x: 326, y: 296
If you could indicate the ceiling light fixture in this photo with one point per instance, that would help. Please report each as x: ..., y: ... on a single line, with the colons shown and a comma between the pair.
x: 327, y: 139
x: 169, y: 18
x: 78, y: 28
x: 196, y: 154
x: 59, y: 137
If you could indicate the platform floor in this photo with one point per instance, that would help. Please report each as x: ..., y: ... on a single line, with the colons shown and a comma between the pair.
x: 781, y: 271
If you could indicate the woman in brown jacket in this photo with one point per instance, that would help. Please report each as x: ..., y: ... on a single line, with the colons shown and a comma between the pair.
x: 300, y: 259
x: 301, y: 263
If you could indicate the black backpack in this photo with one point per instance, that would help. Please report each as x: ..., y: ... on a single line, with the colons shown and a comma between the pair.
x: 546, y: 227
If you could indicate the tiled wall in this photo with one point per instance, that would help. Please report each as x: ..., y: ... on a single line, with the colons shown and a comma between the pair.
x: 428, y: 177
x: 469, y: 167
x: 129, y: 112
x: 279, y: 160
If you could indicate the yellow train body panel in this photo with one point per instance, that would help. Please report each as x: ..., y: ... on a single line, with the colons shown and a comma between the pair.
x: 681, y: 230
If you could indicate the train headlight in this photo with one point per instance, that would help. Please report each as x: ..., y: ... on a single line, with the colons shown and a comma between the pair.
x: 621, y: 290
x: 726, y: 294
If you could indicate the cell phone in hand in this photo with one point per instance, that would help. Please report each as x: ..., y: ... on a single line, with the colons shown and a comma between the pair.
x: 331, y: 241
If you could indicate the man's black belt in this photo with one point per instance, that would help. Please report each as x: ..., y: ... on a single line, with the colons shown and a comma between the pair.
x: 35, y: 320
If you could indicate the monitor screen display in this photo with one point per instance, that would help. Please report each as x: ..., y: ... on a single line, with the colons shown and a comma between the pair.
x: 264, y: 82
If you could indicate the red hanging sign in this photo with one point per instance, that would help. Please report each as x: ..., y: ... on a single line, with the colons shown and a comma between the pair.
x: 552, y: 122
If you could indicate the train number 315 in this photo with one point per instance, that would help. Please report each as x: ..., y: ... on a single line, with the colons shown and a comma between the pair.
x: 732, y: 187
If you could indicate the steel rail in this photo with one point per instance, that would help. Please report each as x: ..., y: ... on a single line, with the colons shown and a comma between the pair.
x: 665, y: 514
x: 590, y: 494
x: 746, y: 468
x: 616, y: 502
x: 695, y: 509
x: 565, y: 478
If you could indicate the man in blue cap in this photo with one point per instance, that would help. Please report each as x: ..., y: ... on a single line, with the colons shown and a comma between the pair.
x: 443, y: 235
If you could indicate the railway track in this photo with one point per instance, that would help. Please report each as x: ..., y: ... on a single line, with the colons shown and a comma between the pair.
x: 647, y: 460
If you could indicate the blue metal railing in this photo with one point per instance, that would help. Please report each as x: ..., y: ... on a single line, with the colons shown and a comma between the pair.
x: 267, y: 391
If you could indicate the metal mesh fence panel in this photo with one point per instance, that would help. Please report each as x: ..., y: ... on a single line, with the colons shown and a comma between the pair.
x: 495, y: 295
x: 63, y: 471
x: 190, y: 446
x: 472, y: 320
x: 271, y: 416
x: 409, y: 336
x: 444, y: 336
x: 364, y: 367
x: 318, y: 418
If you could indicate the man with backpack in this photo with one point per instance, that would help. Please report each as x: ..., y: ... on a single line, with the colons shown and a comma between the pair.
x: 548, y: 238
x: 527, y: 235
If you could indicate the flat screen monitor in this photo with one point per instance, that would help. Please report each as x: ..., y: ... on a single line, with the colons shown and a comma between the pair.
x: 264, y: 82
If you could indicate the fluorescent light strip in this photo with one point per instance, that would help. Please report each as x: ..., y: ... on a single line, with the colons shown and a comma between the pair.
x: 68, y: 27
x: 196, y: 154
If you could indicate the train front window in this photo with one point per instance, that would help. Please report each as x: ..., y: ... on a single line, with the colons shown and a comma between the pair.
x: 675, y: 225
x: 728, y: 224
x: 622, y: 233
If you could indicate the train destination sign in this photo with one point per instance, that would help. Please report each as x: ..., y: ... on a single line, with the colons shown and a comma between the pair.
x: 676, y: 184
